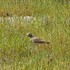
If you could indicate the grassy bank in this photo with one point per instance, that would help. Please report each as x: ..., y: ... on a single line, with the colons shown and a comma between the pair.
x: 51, y: 23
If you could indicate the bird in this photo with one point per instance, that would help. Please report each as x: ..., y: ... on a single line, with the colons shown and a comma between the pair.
x: 36, y: 40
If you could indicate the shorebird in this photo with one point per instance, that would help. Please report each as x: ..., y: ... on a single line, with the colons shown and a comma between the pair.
x: 36, y: 39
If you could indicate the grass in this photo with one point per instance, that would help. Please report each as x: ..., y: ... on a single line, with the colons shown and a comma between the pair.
x: 51, y: 23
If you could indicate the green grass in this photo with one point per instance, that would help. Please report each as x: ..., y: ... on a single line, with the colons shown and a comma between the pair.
x: 16, y: 50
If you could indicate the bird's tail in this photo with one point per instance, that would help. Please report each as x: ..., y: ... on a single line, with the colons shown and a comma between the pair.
x: 48, y: 42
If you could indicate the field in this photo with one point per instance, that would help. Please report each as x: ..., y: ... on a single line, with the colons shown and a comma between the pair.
x: 47, y: 19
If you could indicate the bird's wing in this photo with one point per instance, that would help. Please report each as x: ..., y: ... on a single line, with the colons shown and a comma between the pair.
x: 37, y: 40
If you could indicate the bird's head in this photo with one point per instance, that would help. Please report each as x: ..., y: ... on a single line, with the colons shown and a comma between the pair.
x: 29, y: 35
